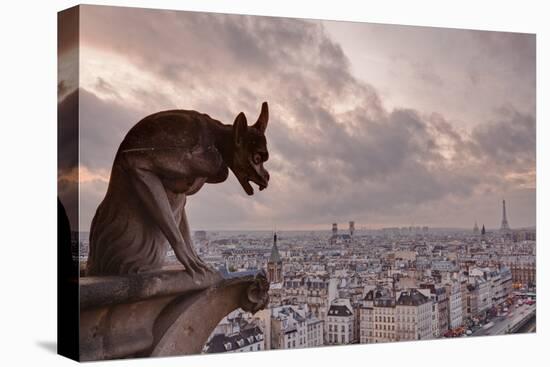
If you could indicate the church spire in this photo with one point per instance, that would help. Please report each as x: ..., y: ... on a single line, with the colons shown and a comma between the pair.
x: 275, y: 256
x: 275, y: 263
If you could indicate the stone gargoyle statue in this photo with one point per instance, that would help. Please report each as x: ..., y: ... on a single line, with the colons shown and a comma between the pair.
x: 163, y: 159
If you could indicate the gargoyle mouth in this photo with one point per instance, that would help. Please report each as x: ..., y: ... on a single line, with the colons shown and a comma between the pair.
x: 245, y: 183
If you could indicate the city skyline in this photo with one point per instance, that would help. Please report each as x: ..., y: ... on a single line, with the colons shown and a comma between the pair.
x: 382, y: 124
x: 348, y: 289
x: 325, y: 227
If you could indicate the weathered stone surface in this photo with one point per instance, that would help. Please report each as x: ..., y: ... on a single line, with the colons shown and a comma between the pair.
x: 108, y: 290
x: 130, y: 305
x: 160, y: 313
x: 162, y: 160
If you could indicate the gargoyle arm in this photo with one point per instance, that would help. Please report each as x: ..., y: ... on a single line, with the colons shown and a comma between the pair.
x: 186, y: 233
x: 153, y: 195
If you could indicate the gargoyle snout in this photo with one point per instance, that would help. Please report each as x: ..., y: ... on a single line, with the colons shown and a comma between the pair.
x: 264, y: 179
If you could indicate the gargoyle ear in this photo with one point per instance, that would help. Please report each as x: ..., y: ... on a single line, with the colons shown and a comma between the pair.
x: 239, y: 129
x: 261, y: 124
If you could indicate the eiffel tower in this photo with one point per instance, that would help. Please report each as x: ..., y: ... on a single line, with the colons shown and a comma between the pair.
x: 504, y: 226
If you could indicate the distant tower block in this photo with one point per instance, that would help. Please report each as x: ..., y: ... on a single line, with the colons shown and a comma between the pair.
x: 351, y: 228
x: 504, y: 227
x: 334, y: 229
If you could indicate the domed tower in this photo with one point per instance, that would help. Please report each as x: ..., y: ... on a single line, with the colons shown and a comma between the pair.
x: 275, y: 264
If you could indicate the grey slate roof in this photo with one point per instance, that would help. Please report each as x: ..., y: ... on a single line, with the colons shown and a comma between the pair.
x: 218, y: 342
x: 412, y: 298
x: 339, y: 310
x: 377, y: 293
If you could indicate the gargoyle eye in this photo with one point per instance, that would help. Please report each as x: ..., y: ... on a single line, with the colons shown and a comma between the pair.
x: 257, y: 158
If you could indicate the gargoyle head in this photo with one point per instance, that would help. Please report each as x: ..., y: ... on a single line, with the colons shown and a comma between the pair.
x: 250, y: 151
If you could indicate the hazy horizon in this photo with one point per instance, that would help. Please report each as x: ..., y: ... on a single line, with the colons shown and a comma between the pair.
x: 344, y: 229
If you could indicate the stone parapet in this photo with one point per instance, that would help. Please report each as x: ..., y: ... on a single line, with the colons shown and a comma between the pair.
x: 161, y: 313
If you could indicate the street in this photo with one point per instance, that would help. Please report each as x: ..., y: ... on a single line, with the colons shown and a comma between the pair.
x: 503, y: 323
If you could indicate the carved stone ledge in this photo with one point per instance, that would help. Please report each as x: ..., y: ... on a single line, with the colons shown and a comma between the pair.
x: 160, y: 313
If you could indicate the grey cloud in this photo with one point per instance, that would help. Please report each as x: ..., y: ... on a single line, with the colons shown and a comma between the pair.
x: 67, y: 35
x: 103, y: 125
x: 62, y: 88
x: 67, y: 133
x: 67, y: 155
x: 358, y: 161
x: 515, y: 50
x: 509, y: 141
x: 106, y: 88
x: 426, y: 72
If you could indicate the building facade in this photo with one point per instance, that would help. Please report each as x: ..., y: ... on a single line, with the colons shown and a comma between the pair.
x: 377, y: 319
x: 288, y: 328
x: 340, y: 322
x: 455, y: 304
x: 315, y: 332
x: 384, y: 320
x: 413, y: 315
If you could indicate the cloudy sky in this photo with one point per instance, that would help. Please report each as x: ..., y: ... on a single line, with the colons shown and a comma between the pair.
x: 385, y: 125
